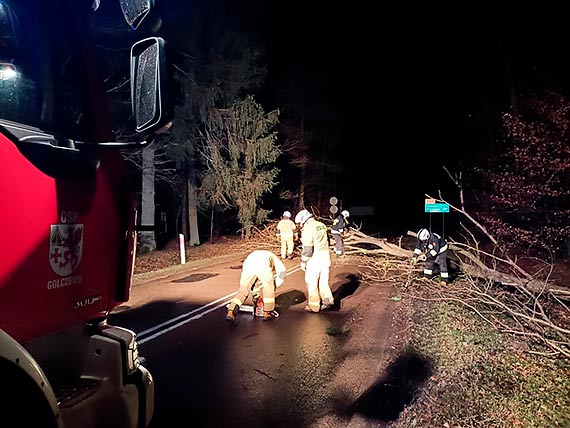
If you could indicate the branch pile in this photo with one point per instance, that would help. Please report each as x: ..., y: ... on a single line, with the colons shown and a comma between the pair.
x: 513, y: 300
x: 504, y: 294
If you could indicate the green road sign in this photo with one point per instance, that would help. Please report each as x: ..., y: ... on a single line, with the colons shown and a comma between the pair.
x: 436, y: 208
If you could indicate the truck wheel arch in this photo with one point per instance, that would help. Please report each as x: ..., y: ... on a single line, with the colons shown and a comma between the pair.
x: 25, y: 386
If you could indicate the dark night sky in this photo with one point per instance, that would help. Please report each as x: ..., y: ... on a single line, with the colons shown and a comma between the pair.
x: 413, y: 92
x: 411, y: 89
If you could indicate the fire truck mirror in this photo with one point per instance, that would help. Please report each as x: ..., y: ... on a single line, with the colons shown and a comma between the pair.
x: 148, y: 84
x: 135, y: 11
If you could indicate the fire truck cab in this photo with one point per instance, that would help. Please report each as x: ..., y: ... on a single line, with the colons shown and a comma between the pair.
x: 67, y: 218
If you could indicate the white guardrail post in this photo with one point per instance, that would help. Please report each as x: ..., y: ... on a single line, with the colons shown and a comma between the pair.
x: 182, y: 249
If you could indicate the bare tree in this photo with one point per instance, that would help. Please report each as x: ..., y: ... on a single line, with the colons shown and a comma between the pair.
x: 526, y: 198
x: 295, y: 147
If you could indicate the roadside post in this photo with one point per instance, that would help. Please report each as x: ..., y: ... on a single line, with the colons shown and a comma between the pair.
x: 182, y: 249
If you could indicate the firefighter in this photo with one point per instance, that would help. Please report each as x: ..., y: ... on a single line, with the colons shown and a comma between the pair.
x: 432, y: 248
x: 339, y: 230
x: 315, y: 261
x: 265, y: 267
x: 287, y: 232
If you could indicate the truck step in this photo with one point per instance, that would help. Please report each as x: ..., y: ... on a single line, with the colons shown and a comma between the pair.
x: 70, y: 394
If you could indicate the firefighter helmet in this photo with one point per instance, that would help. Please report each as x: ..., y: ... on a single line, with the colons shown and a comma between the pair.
x: 423, y: 234
x: 287, y: 214
x: 302, y: 216
x: 345, y: 213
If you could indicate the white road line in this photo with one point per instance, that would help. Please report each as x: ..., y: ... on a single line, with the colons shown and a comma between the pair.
x: 195, y: 317
x: 188, y: 316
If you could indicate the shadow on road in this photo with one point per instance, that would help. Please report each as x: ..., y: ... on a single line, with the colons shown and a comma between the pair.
x: 346, y: 289
x: 396, y: 389
x: 290, y: 298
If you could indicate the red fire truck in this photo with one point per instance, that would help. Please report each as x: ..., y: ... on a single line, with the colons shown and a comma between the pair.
x: 67, y: 219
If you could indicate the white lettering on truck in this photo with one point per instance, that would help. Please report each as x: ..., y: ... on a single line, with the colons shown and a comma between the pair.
x: 64, y: 282
x: 86, y: 302
x: 68, y: 216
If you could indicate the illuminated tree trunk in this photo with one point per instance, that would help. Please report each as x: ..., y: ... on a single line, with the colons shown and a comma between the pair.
x: 147, y: 237
x: 194, y: 238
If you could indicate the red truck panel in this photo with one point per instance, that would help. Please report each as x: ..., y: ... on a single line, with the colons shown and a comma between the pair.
x: 63, y: 244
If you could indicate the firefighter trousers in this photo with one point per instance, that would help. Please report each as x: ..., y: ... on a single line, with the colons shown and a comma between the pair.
x: 441, y: 261
x: 338, y: 244
x: 317, y: 282
x: 286, y: 246
x: 266, y: 289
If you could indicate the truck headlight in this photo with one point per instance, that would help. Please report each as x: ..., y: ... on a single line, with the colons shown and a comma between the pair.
x: 133, y: 361
x: 127, y: 339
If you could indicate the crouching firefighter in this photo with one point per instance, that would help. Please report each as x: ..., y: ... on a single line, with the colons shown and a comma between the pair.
x: 265, y: 267
x: 434, y: 248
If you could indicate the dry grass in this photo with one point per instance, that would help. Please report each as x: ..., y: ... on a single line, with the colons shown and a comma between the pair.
x: 481, y: 378
x: 169, y: 256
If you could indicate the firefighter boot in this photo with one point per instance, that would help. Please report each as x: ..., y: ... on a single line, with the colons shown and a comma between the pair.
x: 268, y: 315
x: 326, y: 303
x: 233, y: 310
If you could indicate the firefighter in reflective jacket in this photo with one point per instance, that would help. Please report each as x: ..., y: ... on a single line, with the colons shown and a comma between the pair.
x: 266, y: 267
x: 339, y: 230
x: 286, y: 231
x: 315, y: 261
x: 434, y: 248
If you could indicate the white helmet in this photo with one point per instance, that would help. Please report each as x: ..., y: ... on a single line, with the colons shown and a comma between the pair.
x: 287, y: 214
x: 302, y: 216
x: 345, y: 213
x: 423, y: 234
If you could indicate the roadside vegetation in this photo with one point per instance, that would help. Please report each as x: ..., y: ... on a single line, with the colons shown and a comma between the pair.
x: 489, y: 369
x: 481, y: 377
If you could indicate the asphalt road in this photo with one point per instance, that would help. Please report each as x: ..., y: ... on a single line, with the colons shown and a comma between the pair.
x: 299, y: 370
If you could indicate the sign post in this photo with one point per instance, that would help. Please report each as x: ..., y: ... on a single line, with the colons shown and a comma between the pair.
x: 431, y: 206
x: 333, y: 208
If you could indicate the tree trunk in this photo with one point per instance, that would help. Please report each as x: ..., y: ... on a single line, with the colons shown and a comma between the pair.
x: 301, y: 201
x: 147, y: 237
x: 194, y: 238
x: 184, y: 213
x: 212, y: 226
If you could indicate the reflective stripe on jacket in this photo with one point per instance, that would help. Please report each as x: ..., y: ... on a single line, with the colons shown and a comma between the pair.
x: 338, y: 225
x: 286, y: 227
x: 435, y: 245
x: 315, y: 241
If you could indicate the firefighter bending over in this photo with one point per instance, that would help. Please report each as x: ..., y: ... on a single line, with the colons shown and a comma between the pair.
x: 434, y: 248
x: 266, y: 267
x: 286, y: 231
x: 315, y: 261
x: 339, y: 230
